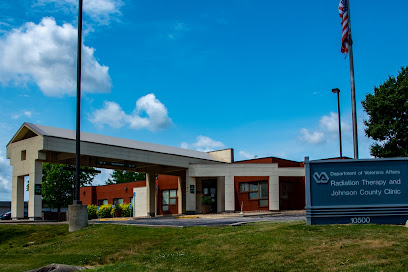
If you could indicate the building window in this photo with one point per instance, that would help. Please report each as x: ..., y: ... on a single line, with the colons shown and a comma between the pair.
x: 243, y: 187
x: 23, y: 155
x: 259, y: 190
x: 117, y: 201
x: 102, y: 202
x: 253, y: 191
x: 169, y: 197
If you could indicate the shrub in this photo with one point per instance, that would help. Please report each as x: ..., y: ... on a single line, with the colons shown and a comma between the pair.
x: 126, y: 211
x: 105, y: 211
x: 206, y: 200
x: 92, y: 212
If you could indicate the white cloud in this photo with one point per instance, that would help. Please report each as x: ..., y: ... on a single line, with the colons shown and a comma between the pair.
x: 27, y: 114
x: 101, y: 178
x: 5, y: 185
x: 157, y: 114
x: 315, y: 137
x: 204, y: 144
x: 99, y: 10
x: 112, y: 115
x: 329, y: 127
x: 46, y: 54
x: 5, y: 175
x: 331, y: 124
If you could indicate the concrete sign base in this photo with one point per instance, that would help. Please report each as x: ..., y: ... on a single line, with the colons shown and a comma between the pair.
x: 77, y: 217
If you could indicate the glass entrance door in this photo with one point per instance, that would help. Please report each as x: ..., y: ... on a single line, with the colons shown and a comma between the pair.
x: 210, y: 189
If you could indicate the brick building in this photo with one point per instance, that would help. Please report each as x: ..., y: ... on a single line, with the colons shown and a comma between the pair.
x: 251, y: 192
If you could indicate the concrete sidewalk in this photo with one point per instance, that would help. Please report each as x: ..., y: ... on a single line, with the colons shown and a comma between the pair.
x: 212, y: 215
x: 244, y: 214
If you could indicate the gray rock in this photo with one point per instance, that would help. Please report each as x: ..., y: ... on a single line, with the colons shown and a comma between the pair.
x: 57, y: 268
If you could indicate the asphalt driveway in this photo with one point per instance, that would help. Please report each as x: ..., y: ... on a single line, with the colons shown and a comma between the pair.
x: 191, y: 221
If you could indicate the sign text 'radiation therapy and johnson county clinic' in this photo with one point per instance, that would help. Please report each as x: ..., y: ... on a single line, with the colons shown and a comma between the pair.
x: 357, y: 183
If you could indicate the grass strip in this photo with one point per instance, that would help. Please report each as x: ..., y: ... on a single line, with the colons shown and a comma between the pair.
x: 264, y: 246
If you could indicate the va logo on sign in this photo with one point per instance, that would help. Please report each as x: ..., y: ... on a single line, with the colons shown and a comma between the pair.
x: 321, y: 178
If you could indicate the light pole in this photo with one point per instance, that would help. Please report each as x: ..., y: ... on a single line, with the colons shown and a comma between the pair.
x: 337, y: 91
x: 77, y: 213
x: 78, y: 109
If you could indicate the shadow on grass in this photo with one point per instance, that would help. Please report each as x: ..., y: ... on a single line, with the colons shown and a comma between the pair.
x: 12, y: 234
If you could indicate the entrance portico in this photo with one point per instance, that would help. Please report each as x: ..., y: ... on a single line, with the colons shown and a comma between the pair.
x: 34, y: 144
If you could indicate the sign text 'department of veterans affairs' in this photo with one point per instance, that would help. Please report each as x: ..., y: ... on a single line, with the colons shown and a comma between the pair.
x: 348, y: 185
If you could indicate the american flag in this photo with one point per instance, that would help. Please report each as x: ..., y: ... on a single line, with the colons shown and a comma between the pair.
x: 343, y: 10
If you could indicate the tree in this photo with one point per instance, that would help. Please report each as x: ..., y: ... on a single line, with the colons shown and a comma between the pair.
x: 58, y: 184
x: 387, y: 111
x: 125, y: 176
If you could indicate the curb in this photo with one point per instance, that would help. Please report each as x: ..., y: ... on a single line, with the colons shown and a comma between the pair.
x: 187, y: 217
x: 116, y: 219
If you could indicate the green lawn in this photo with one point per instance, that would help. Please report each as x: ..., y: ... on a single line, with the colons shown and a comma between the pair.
x: 253, y: 247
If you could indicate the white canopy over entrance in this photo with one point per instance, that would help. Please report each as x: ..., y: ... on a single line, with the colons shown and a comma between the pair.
x: 34, y: 144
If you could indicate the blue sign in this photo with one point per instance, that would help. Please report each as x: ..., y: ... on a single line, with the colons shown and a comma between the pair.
x: 357, y: 191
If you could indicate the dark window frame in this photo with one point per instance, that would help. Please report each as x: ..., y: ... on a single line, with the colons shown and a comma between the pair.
x: 117, y: 200
x: 170, y: 197
x: 245, y: 189
x: 100, y: 202
x: 258, y: 191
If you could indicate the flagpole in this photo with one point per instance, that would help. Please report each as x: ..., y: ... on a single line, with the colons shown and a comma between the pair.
x: 353, y: 87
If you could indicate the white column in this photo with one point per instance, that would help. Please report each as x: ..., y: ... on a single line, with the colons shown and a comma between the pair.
x: 274, y: 193
x: 151, y: 194
x: 181, y: 194
x: 34, y: 196
x: 190, y: 196
x: 17, y: 197
x: 229, y: 194
x: 220, y: 194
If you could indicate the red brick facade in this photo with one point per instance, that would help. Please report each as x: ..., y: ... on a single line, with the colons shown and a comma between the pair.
x: 167, y: 183
x: 291, y: 189
x: 95, y: 194
x: 92, y: 194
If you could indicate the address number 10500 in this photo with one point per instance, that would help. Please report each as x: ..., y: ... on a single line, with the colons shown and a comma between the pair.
x: 360, y: 220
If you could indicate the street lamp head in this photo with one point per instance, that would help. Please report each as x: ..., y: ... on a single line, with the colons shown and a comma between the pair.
x: 336, y: 90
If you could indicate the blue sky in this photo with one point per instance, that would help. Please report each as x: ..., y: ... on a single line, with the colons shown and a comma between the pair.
x: 255, y: 76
